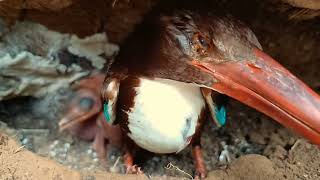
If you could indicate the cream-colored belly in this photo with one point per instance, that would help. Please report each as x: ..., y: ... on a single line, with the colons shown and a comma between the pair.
x: 165, y: 115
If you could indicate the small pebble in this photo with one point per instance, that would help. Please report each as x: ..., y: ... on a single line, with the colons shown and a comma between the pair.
x: 51, y: 146
x: 25, y: 141
x: 66, y: 146
x: 308, y: 146
x: 63, y: 155
x: 94, y: 154
x: 52, y: 153
x: 89, y: 151
x: 114, y: 169
x: 56, y: 142
x: 61, y: 68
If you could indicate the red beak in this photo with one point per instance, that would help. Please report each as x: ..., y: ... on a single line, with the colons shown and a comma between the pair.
x: 268, y: 87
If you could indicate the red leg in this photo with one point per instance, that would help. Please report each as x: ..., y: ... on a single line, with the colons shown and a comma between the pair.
x: 129, y: 158
x: 199, y: 164
x: 129, y: 163
x: 200, y: 167
x: 99, y: 145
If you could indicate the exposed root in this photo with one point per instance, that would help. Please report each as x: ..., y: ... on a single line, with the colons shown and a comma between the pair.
x: 116, y: 163
x: 18, y: 149
x: 170, y: 166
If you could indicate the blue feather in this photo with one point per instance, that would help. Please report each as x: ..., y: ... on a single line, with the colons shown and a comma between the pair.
x: 106, y: 111
x: 221, y: 115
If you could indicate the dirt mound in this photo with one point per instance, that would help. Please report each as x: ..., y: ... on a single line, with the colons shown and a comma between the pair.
x: 19, y: 163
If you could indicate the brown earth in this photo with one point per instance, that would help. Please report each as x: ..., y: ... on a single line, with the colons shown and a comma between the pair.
x: 19, y: 163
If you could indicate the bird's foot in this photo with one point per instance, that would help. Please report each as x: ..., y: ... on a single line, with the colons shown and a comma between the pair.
x: 201, y: 171
x: 134, y: 170
x: 128, y: 161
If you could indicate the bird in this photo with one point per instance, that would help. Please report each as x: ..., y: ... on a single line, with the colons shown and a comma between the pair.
x: 84, y: 118
x: 174, y: 57
x: 160, y: 115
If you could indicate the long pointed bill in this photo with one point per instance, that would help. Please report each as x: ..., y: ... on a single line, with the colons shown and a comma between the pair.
x: 268, y: 87
x: 82, y: 108
x: 74, y: 116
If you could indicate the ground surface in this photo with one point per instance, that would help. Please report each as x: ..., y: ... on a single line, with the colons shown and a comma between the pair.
x: 282, y: 155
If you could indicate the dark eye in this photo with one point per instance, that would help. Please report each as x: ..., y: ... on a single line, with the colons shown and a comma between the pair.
x: 86, y: 103
x: 202, y: 41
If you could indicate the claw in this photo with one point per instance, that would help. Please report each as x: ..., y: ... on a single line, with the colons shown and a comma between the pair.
x: 135, y: 169
x: 131, y: 168
x: 200, y: 167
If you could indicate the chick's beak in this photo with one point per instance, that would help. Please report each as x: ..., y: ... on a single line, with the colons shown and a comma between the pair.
x: 73, y: 116
x: 267, y: 86
x: 82, y: 107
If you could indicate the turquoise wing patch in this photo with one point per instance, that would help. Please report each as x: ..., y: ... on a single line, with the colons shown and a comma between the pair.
x: 106, y: 112
x: 221, y: 115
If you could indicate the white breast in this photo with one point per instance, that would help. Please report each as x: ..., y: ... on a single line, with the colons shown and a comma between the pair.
x: 164, y: 115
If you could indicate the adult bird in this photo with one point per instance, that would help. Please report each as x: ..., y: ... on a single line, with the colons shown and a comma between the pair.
x: 171, y: 57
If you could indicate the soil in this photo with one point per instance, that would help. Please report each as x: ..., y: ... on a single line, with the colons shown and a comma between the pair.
x: 258, y: 148
x: 250, y: 146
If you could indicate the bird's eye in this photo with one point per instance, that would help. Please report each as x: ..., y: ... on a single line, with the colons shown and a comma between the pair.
x: 200, y: 44
x: 203, y: 41
x: 86, y: 103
